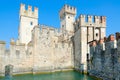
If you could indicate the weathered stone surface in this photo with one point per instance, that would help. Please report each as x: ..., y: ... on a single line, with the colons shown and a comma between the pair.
x: 106, y: 63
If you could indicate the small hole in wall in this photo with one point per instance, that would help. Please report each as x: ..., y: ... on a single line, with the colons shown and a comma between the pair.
x: 96, y: 34
x: 47, y: 32
x: 31, y: 23
x: 68, y: 17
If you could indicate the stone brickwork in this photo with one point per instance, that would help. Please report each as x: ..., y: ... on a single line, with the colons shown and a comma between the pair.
x: 16, y: 56
x: 2, y: 53
x: 104, y: 62
x: 48, y: 51
x: 52, y: 51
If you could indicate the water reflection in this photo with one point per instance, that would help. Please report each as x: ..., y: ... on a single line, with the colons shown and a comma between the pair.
x: 8, y: 78
x: 71, y: 75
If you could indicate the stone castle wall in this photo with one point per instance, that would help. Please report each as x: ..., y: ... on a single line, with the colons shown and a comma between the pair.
x: 44, y: 48
x: 104, y: 61
x: 48, y: 51
x: 17, y: 56
x: 52, y: 51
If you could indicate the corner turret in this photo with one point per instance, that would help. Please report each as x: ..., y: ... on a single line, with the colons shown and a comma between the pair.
x: 67, y: 9
x: 67, y: 18
x: 28, y: 19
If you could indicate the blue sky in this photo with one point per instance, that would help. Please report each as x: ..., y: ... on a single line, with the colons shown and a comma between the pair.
x: 49, y: 13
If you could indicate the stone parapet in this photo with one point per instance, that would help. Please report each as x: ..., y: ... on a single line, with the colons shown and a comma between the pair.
x: 2, y: 42
x: 67, y: 9
x: 90, y: 21
x: 104, y: 62
x: 28, y: 12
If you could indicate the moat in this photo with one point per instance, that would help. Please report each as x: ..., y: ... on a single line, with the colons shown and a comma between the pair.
x: 69, y: 75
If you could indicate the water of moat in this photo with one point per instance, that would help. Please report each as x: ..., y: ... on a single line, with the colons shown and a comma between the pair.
x: 69, y: 75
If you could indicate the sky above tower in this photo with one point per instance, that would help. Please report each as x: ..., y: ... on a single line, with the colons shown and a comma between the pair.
x: 49, y: 13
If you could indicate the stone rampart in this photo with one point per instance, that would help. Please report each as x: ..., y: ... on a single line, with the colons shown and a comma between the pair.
x: 104, y: 61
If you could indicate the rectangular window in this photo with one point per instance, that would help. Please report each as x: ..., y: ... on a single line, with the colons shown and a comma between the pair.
x: 31, y: 23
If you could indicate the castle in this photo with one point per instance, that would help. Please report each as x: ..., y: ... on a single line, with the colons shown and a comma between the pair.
x: 42, y: 48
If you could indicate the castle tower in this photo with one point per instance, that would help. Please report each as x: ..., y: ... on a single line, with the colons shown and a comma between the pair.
x: 28, y: 19
x: 87, y: 29
x: 67, y: 18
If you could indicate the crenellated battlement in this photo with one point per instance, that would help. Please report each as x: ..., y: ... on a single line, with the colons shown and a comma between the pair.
x: 67, y: 9
x: 110, y: 38
x: 2, y: 42
x: 48, y: 28
x: 16, y: 43
x: 105, y: 56
x: 28, y: 12
x: 98, y: 21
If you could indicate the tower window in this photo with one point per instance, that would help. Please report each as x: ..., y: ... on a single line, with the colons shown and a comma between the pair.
x: 62, y: 26
x: 96, y: 34
x: 67, y: 6
x: 68, y: 17
x: 31, y: 23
